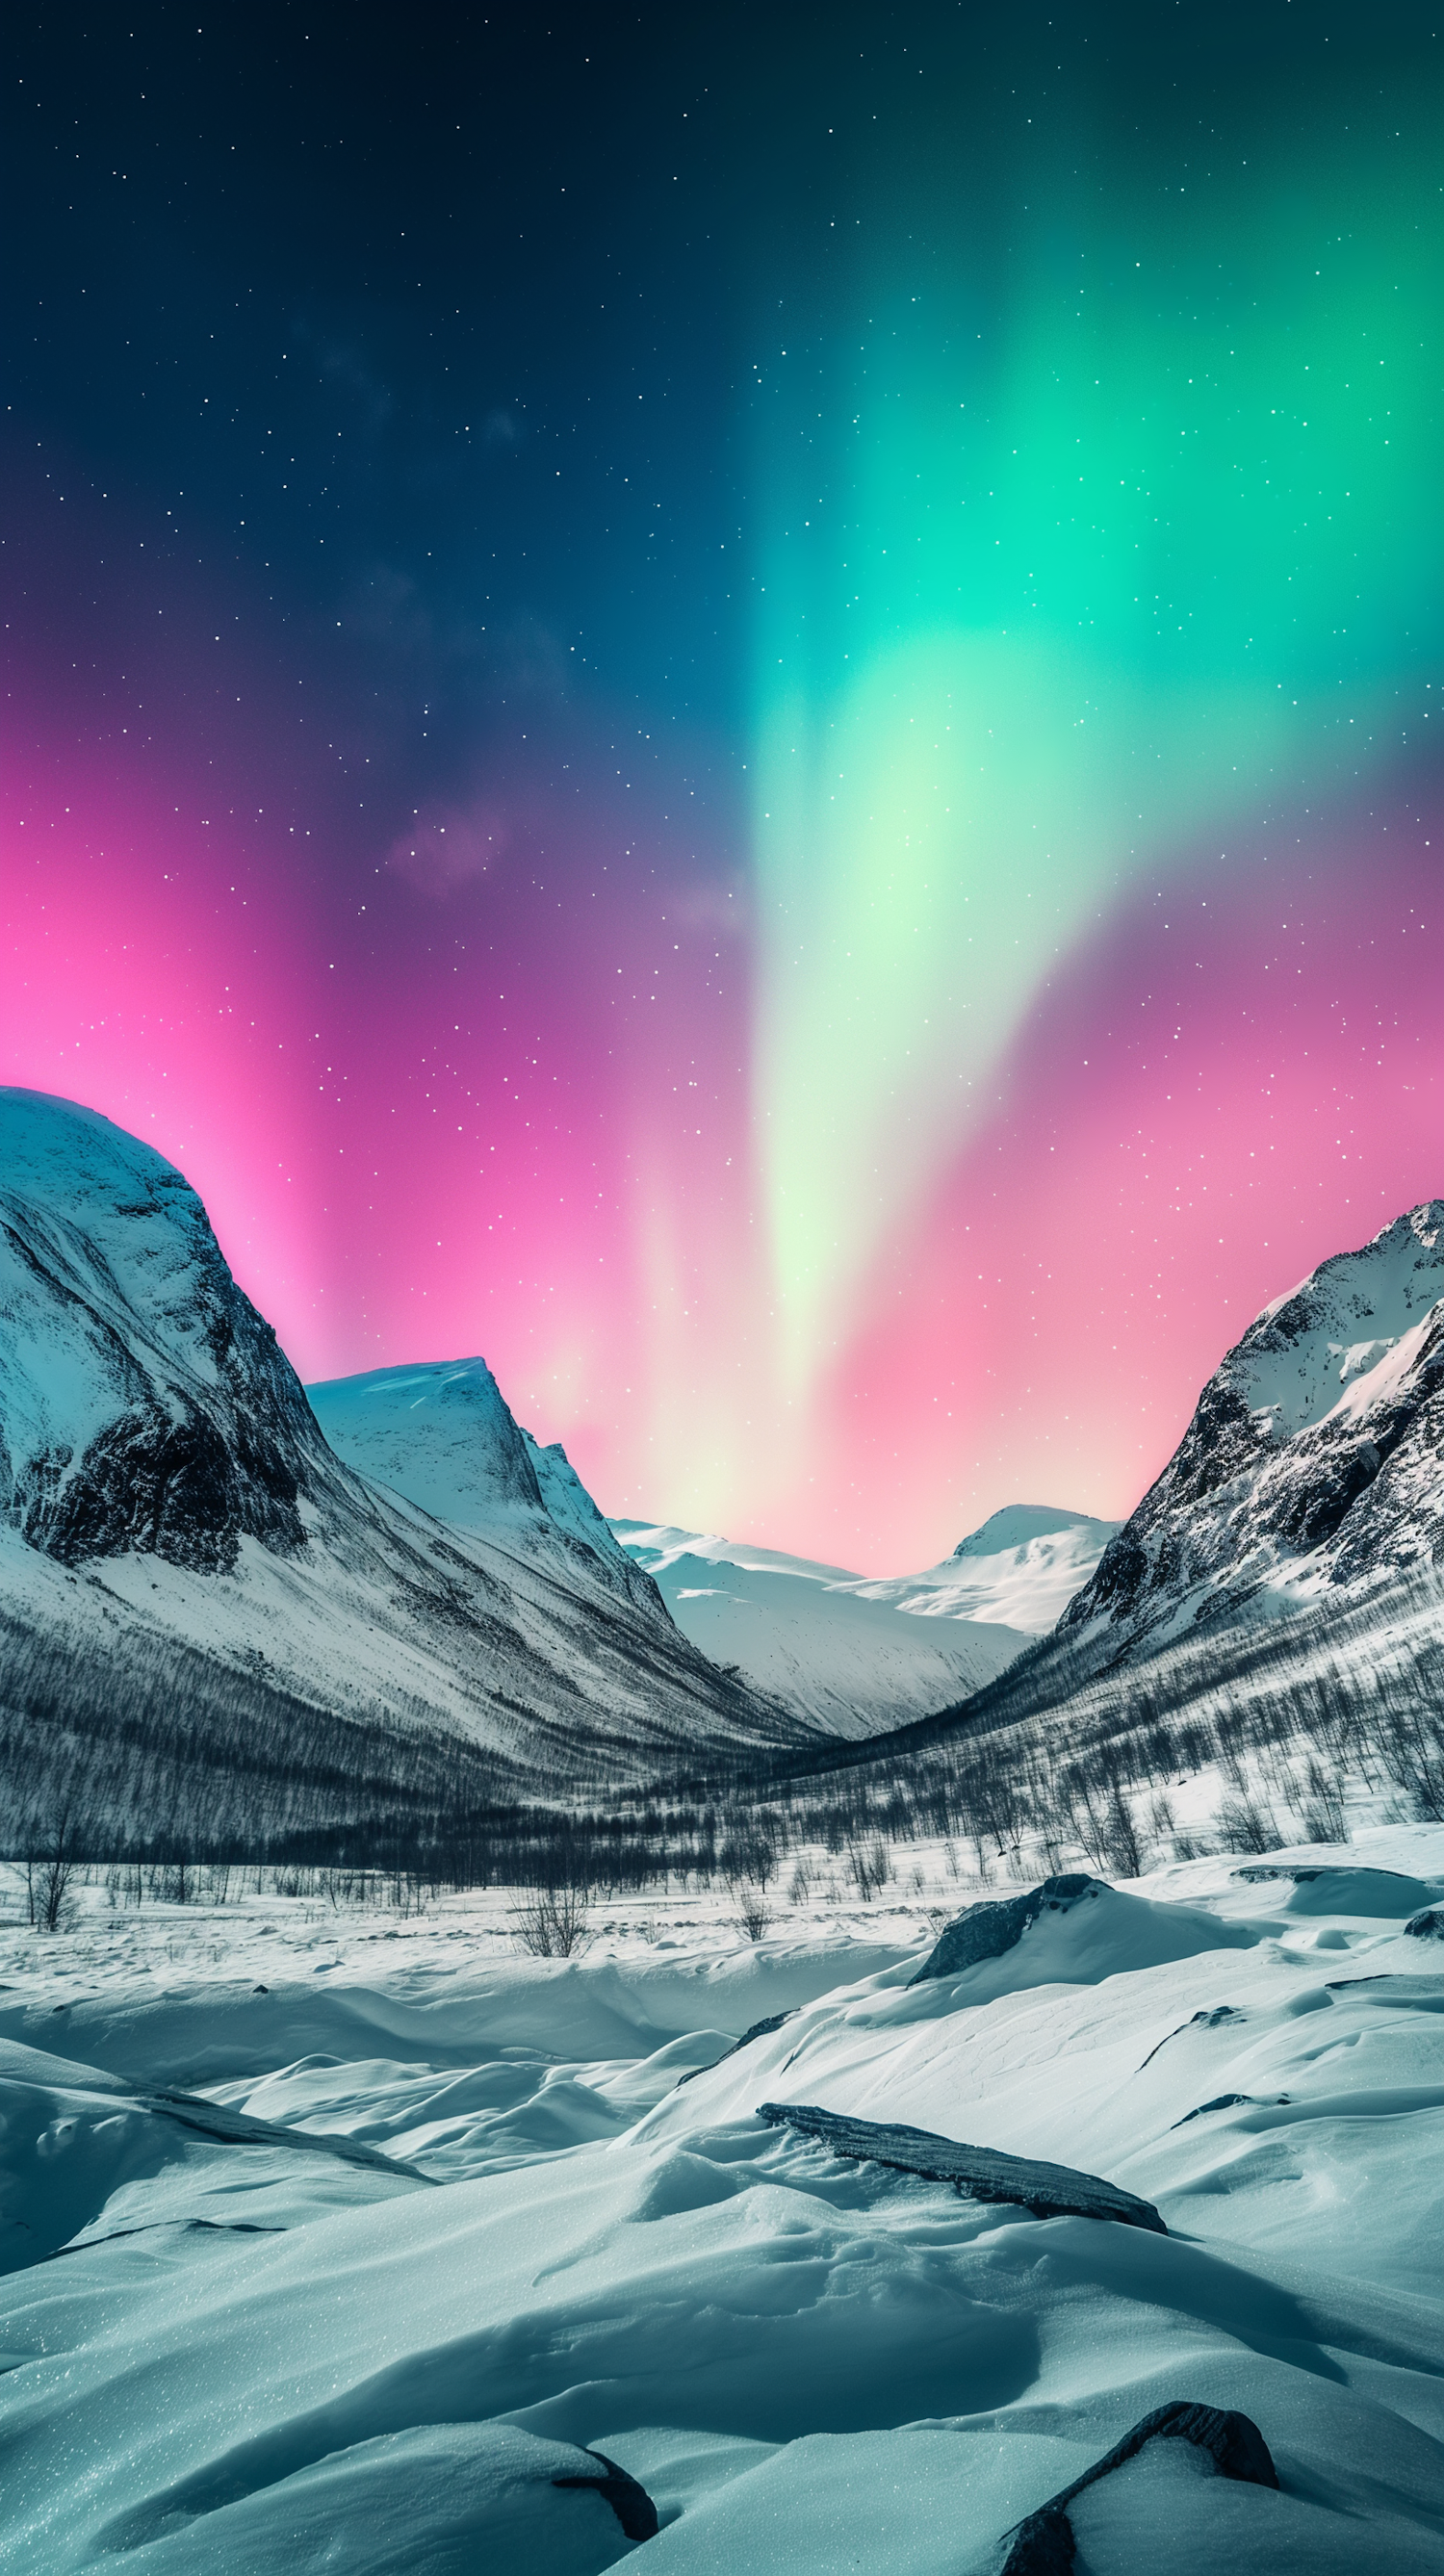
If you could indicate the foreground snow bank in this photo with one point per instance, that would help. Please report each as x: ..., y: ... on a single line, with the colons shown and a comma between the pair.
x: 250, y: 2353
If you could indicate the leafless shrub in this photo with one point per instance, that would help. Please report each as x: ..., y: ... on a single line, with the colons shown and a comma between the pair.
x: 870, y: 1867
x: 552, y: 1922
x: 752, y: 1913
x: 50, y: 1869
x: 1246, y: 1825
x: 1321, y: 1805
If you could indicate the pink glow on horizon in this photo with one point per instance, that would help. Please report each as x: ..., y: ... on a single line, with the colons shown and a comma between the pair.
x: 509, y: 1111
x: 1240, y: 1077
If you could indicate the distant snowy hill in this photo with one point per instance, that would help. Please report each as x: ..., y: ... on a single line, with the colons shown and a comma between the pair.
x: 1023, y: 1567
x: 858, y: 1653
x: 1314, y: 1462
x: 166, y: 1490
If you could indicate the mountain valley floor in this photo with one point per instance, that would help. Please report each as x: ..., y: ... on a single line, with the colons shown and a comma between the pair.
x: 335, y: 2236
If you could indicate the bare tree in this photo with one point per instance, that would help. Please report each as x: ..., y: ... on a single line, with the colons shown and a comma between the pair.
x: 51, y: 1867
x: 552, y: 1923
x: 753, y: 1914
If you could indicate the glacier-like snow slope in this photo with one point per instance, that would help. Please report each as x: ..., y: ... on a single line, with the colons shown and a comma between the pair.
x: 845, y: 1649
x: 1315, y: 1456
x: 250, y: 2353
x: 163, y: 1478
x: 442, y: 1434
x: 1023, y: 1566
x: 813, y: 1636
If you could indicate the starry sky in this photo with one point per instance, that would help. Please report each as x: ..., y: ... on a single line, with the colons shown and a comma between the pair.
x: 739, y: 705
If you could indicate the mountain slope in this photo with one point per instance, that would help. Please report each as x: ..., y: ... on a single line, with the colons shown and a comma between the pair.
x: 842, y: 1650
x: 163, y: 1480
x: 442, y: 1435
x: 1315, y: 1457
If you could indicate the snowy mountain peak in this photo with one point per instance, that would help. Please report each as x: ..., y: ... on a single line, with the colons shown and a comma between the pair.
x: 176, y: 1533
x: 145, y: 1403
x: 1314, y: 1452
x: 1309, y: 1348
x: 441, y: 1433
x: 1017, y: 1523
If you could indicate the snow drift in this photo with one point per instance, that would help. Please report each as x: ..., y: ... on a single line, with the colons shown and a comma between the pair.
x: 252, y: 2353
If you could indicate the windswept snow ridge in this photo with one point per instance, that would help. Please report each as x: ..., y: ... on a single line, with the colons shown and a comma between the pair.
x: 1315, y: 1457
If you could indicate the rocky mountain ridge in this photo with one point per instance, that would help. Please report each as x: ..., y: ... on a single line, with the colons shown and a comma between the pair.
x: 1314, y: 1461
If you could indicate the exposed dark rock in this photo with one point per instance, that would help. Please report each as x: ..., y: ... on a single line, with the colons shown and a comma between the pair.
x: 1406, y: 1994
x: 986, y: 1931
x: 630, y: 2502
x: 1200, y: 2020
x: 1044, y: 2545
x: 976, y: 2173
x: 230, y: 2128
x: 759, y: 2030
x: 1231, y: 2101
x: 1428, y: 1926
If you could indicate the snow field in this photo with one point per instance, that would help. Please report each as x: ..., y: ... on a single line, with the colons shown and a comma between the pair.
x: 256, y: 2353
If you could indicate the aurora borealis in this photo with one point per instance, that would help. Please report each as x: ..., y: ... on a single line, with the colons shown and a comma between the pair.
x: 743, y: 714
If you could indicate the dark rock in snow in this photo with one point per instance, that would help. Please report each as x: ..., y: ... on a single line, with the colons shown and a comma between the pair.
x: 986, y: 1931
x: 1206, y: 2020
x: 1428, y: 1926
x: 1229, y: 2102
x: 217, y: 2121
x: 1044, y: 2545
x: 976, y: 2173
x: 630, y: 2502
x: 759, y: 2030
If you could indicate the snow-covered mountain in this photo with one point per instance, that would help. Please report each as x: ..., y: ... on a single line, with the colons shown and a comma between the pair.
x: 164, y: 1483
x: 442, y: 1434
x: 1314, y: 1461
x: 1022, y: 1566
x: 858, y: 1653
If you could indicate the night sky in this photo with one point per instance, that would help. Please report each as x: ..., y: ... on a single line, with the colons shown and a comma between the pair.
x: 740, y: 706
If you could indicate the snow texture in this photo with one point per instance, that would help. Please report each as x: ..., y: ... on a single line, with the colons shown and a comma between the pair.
x: 1315, y: 1456
x: 236, y: 2353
